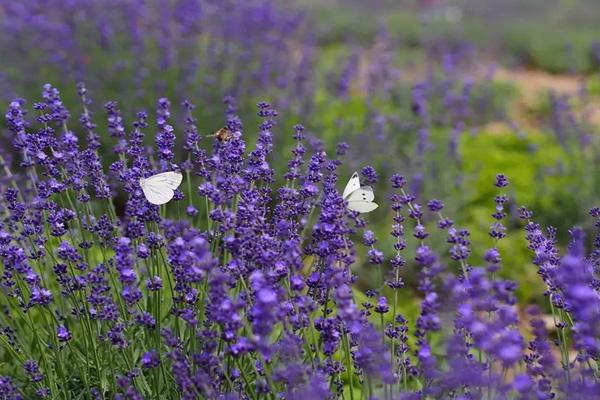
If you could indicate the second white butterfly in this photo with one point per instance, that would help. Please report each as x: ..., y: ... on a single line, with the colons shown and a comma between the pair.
x: 160, y: 188
x: 359, y: 198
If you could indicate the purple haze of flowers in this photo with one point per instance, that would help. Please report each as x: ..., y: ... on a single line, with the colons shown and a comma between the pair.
x: 256, y: 291
x: 203, y: 43
x: 575, y: 276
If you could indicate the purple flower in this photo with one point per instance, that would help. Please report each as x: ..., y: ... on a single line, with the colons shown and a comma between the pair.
x: 376, y: 257
x: 253, y: 287
x: 492, y: 256
x: 150, y: 359
x: 501, y: 181
x: 264, y: 312
x: 398, y: 181
x: 317, y: 387
x: 575, y: 277
x: 115, y: 126
x: 41, y: 296
x: 382, y: 305
x: 154, y: 283
x: 33, y: 371
x: 370, y: 174
x: 420, y: 232
x: 369, y: 238
x: 342, y: 148
x: 371, y: 355
x: 8, y: 390
x: 63, y: 334
x: 146, y: 319
x: 522, y: 383
x: 435, y: 205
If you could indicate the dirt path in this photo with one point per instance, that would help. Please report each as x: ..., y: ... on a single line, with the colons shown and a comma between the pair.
x: 533, y: 87
x: 533, y: 84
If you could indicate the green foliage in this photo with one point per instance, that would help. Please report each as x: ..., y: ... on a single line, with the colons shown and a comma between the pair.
x: 556, y: 39
x: 528, y: 161
x: 593, y: 85
x: 550, y: 49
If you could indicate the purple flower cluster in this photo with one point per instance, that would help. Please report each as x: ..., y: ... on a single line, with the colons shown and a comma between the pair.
x: 139, y: 47
x: 251, y: 289
x: 245, y: 48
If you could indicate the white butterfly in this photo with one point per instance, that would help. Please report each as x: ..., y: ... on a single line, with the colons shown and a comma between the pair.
x: 159, y: 188
x: 359, y: 198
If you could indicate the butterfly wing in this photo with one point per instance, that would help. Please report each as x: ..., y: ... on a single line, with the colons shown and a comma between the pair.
x: 362, y: 206
x: 170, y: 179
x: 359, y: 198
x: 352, y: 185
x: 364, y: 193
x: 159, y: 188
x: 157, y: 194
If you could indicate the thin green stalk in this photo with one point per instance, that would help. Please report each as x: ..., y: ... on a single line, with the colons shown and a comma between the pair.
x: 59, y: 364
x: 564, y: 351
x: 249, y: 388
x: 346, y: 346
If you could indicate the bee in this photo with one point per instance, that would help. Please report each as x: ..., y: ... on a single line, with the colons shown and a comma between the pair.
x: 223, y: 134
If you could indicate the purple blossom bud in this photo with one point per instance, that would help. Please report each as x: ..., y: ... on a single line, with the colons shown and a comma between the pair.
x: 420, y: 232
x: 33, y: 371
x: 150, y: 359
x: 376, y: 257
x: 370, y: 174
x: 154, y: 283
x: 369, y: 238
x: 146, y: 319
x: 341, y: 148
x: 191, y: 211
x: 9, y: 390
x: 522, y: 383
x: 445, y: 223
x: 398, y: 181
x: 143, y: 251
x: 497, y: 231
x: 296, y: 282
x: 41, y: 296
x: 63, y: 334
x: 501, y: 181
x: 435, y: 205
x: 382, y: 305
x: 492, y: 256
x: 266, y: 296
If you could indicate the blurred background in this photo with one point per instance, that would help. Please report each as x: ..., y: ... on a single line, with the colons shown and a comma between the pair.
x: 447, y: 93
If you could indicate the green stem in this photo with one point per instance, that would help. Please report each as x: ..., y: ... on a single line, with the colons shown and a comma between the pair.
x: 350, y: 373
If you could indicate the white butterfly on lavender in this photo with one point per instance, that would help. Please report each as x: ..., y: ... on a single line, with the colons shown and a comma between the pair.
x: 359, y: 198
x: 160, y: 188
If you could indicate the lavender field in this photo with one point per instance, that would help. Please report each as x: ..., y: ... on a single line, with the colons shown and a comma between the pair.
x: 268, y: 199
